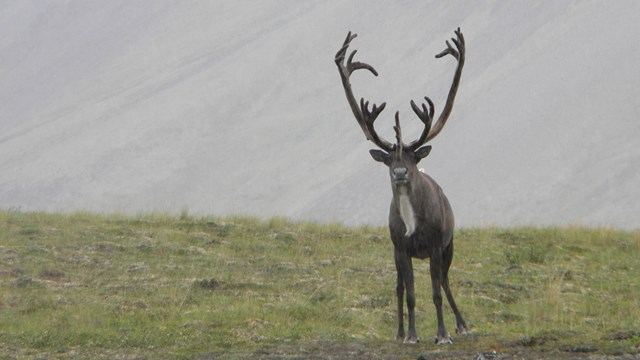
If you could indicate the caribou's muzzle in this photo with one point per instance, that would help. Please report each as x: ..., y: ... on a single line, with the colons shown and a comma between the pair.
x: 400, y: 176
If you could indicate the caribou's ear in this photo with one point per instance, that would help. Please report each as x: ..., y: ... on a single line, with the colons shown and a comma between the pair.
x: 422, y: 152
x: 379, y: 155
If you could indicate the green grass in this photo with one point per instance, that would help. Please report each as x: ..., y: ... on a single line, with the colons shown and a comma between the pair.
x: 94, y: 286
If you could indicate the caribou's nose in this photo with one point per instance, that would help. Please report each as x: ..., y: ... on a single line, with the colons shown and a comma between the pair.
x: 400, y: 173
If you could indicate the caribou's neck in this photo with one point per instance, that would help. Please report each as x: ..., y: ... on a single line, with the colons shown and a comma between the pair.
x: 405, y: 208
x: 409, y: 201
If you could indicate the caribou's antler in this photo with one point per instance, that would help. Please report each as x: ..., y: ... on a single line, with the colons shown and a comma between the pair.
x: 362, y: 114
x: 457, y: 53
x: 366, y: 118
x: 426, y: 115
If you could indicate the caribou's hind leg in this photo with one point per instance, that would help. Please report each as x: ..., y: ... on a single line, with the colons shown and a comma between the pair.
x: 436, y: 269
x: 461, y: 326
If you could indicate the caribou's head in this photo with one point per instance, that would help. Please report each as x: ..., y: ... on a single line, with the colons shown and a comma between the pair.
x: 402, y: 159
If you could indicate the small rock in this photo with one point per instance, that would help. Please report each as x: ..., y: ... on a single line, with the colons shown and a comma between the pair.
x: 137, y: 267
x: 488, y: 356
x: 326, y: 262
x: 143, y: 246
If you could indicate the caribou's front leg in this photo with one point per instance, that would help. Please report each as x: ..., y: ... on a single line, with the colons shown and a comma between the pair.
x: 404, y: 268
x: 412, y: 337
x: 400, y: 298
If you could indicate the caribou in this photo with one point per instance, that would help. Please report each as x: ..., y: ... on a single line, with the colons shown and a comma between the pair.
x: 420, y: 217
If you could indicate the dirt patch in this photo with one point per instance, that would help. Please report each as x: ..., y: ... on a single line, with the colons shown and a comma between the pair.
x: 470, y: 348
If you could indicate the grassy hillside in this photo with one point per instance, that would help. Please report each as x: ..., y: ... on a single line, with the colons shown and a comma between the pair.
x: 92, y: 286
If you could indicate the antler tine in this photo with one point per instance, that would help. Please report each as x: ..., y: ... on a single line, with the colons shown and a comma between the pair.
x: 426, y: 116
x: 369, y: 117
x: 343, y: 50
x: 398, y: 130
x: 459, y: 54
x: 364, y: 117
x: 350, y: 66
x: 459, y: 42
x: 353, y: 66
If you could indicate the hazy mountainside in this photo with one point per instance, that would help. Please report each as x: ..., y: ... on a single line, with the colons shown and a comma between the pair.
x: 237, y: 107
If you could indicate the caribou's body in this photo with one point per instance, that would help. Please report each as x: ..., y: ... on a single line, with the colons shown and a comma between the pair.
x: 420, y: 217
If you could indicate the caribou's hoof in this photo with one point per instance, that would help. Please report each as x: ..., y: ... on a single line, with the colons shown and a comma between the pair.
x: 444, y: 340
x: 462, y: 330
x: 411, y: 340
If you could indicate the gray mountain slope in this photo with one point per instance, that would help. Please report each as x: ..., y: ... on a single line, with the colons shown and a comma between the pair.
x: 237, y: 108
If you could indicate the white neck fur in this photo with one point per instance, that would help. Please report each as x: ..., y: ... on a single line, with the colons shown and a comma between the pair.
x: 406, y: 211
